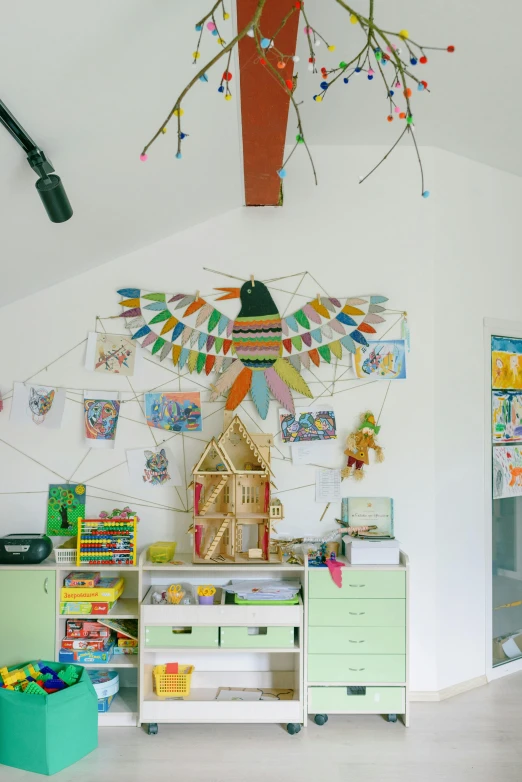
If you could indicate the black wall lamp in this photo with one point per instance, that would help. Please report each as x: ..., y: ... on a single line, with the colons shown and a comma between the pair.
x: 49, y: 185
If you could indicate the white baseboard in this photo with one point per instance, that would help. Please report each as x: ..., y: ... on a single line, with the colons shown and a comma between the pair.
x: 448, y: 692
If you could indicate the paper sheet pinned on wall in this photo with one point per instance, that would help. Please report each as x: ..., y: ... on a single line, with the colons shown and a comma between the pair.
x: 327, y: 485
x: 154, y: 467
x: 311, y: 452
x: 36, y: 405
x: 101, y: 413
x: 111, y: 353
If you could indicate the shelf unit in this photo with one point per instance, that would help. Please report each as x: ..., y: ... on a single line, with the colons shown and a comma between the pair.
x: 361, y: 631
x: 270, y: 668
x: 124, y: 708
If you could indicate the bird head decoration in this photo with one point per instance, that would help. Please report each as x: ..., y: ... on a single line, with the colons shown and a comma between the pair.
x: 259, y: 351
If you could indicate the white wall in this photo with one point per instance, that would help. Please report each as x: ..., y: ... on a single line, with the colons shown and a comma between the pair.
x: 478, y: 275
x: 381, y: 237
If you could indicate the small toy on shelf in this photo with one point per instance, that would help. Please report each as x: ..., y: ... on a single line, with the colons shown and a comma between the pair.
x: 206, y: 594
x: 276, y: 510
x: 107, y: 541
x: 180, y: 594
x: 82, y: 580
x: 162, y: 551
x: 172, y: 680
x: 358, y: 447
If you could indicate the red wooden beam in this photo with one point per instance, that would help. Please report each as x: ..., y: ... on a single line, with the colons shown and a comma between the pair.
x: 264, y: 102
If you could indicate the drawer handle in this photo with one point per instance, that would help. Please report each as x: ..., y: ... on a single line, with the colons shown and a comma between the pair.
x: 357, y: 585
x: 355, y: 642
x: 356, y: 669
x: 356, y: 613
x: 46, y: 584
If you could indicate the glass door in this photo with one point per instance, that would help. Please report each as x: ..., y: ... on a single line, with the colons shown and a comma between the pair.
x: 506, y: 435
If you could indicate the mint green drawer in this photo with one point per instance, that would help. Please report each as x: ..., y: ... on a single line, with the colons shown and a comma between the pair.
x: 356, y: 668
x: 357, y: 700
x: 357, y: 640
x: 257, y: 637
x: 207, y: 637
x: 358, y: 583
x: 357, y: 613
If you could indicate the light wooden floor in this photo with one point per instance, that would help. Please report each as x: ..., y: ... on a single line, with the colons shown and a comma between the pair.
x: 476, y: 736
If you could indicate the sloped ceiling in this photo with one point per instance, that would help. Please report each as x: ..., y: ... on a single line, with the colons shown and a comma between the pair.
x: 472, y: 108
x: 91, y: 82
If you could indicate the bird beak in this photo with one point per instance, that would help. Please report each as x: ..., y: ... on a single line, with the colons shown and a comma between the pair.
x: 231, y: 293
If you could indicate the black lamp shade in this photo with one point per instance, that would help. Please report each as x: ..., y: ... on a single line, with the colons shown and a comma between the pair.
x: 54, y: 198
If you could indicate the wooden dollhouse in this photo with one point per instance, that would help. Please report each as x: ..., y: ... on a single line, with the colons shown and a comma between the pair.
x: 233, y: 511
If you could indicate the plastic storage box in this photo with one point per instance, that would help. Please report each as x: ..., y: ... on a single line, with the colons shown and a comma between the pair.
x: 162, y: 552
x: 48, y: 734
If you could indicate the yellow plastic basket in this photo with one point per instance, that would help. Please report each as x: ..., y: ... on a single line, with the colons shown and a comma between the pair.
x: 172, y: 685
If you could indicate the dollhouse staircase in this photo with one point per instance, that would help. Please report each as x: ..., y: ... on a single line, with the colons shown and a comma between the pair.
x: 217, y: 539
x: 213, y: 495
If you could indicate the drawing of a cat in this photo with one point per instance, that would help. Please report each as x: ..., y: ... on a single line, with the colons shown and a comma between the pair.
x: 156, y: 468
x: 40, y: 403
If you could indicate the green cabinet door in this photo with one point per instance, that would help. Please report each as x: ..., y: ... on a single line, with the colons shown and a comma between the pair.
x: 27, y: 615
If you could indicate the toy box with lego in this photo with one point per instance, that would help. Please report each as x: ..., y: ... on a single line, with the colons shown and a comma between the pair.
x: 88, y: 656
x: 55, y: 728
x: 82, y: 580
x: 95, y: 609
x: 84, y: 628
x: 107, y: 590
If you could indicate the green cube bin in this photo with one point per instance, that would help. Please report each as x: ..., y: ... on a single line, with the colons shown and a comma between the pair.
x: 48, y: 734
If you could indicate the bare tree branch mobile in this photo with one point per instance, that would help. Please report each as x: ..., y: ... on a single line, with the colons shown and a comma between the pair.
x: 389, y: 55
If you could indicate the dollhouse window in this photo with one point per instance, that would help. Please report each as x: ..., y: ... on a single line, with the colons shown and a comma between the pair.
x: 226, y: 494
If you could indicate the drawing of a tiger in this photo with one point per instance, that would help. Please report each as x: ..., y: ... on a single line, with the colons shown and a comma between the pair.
x: 156, y: 468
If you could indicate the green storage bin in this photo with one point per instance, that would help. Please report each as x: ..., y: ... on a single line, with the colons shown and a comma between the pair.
x: 48, y: 734
x: 357, y: 700
x: 257, y: 637
x: 156, y: 637
x: 359, y: 584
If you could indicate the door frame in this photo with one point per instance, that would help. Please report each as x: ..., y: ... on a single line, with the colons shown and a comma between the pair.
x: 502, y: 328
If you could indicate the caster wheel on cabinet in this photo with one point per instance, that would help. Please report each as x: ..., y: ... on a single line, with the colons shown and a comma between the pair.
x: 321, y: 719
x: 152, y: 728
x: 293, y: 728
x: 392, y: 718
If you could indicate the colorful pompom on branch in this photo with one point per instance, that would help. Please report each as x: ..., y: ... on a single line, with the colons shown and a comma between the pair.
x: 390, y: 56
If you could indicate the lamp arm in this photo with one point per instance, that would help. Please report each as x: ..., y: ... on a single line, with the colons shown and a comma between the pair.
x: 35, y: 157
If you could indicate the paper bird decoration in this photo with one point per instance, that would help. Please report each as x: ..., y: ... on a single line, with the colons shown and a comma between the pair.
x: 259, y: 351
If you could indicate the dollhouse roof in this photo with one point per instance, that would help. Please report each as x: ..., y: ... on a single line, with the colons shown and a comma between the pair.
x: 236, y: 425
x: 213, y: 444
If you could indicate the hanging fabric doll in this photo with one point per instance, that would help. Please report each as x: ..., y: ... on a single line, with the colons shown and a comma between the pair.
x: 358, y: 446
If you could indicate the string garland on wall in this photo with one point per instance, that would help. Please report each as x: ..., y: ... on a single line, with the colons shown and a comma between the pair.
x: 390, y: 55
x: 339, y: 384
